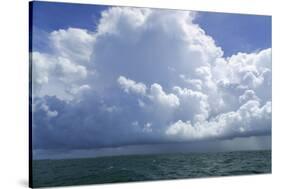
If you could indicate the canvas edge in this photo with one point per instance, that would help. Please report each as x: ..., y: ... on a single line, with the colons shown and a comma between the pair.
x: 30, y: 24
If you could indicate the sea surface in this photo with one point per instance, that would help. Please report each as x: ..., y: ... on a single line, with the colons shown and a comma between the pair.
x: 148, y: 167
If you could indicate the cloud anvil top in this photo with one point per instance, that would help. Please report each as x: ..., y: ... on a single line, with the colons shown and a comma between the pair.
x: 110, y: 81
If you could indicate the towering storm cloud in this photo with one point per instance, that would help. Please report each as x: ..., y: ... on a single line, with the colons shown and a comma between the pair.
x: 145, y: 76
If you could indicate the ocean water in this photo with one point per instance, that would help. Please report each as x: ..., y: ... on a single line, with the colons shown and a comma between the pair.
x: 148, y: 167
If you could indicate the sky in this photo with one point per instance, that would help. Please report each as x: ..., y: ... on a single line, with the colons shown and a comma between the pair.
x: 125, y: 80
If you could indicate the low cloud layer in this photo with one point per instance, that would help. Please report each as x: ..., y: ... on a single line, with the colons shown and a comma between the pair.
x: 145, y: 76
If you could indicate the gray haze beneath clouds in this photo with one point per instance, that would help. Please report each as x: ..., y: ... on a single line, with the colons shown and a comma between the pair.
x: 237, y: 144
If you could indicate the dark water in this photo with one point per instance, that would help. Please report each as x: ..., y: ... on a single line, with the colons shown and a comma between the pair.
x: 148, y: 167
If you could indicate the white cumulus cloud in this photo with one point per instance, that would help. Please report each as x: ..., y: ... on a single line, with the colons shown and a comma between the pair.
x: 131, y: 86
x: 146, y: 76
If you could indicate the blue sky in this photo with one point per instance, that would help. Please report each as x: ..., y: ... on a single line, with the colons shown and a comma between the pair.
x: 242, y: 32
x: 52, y: 16
x: 108, y: 79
